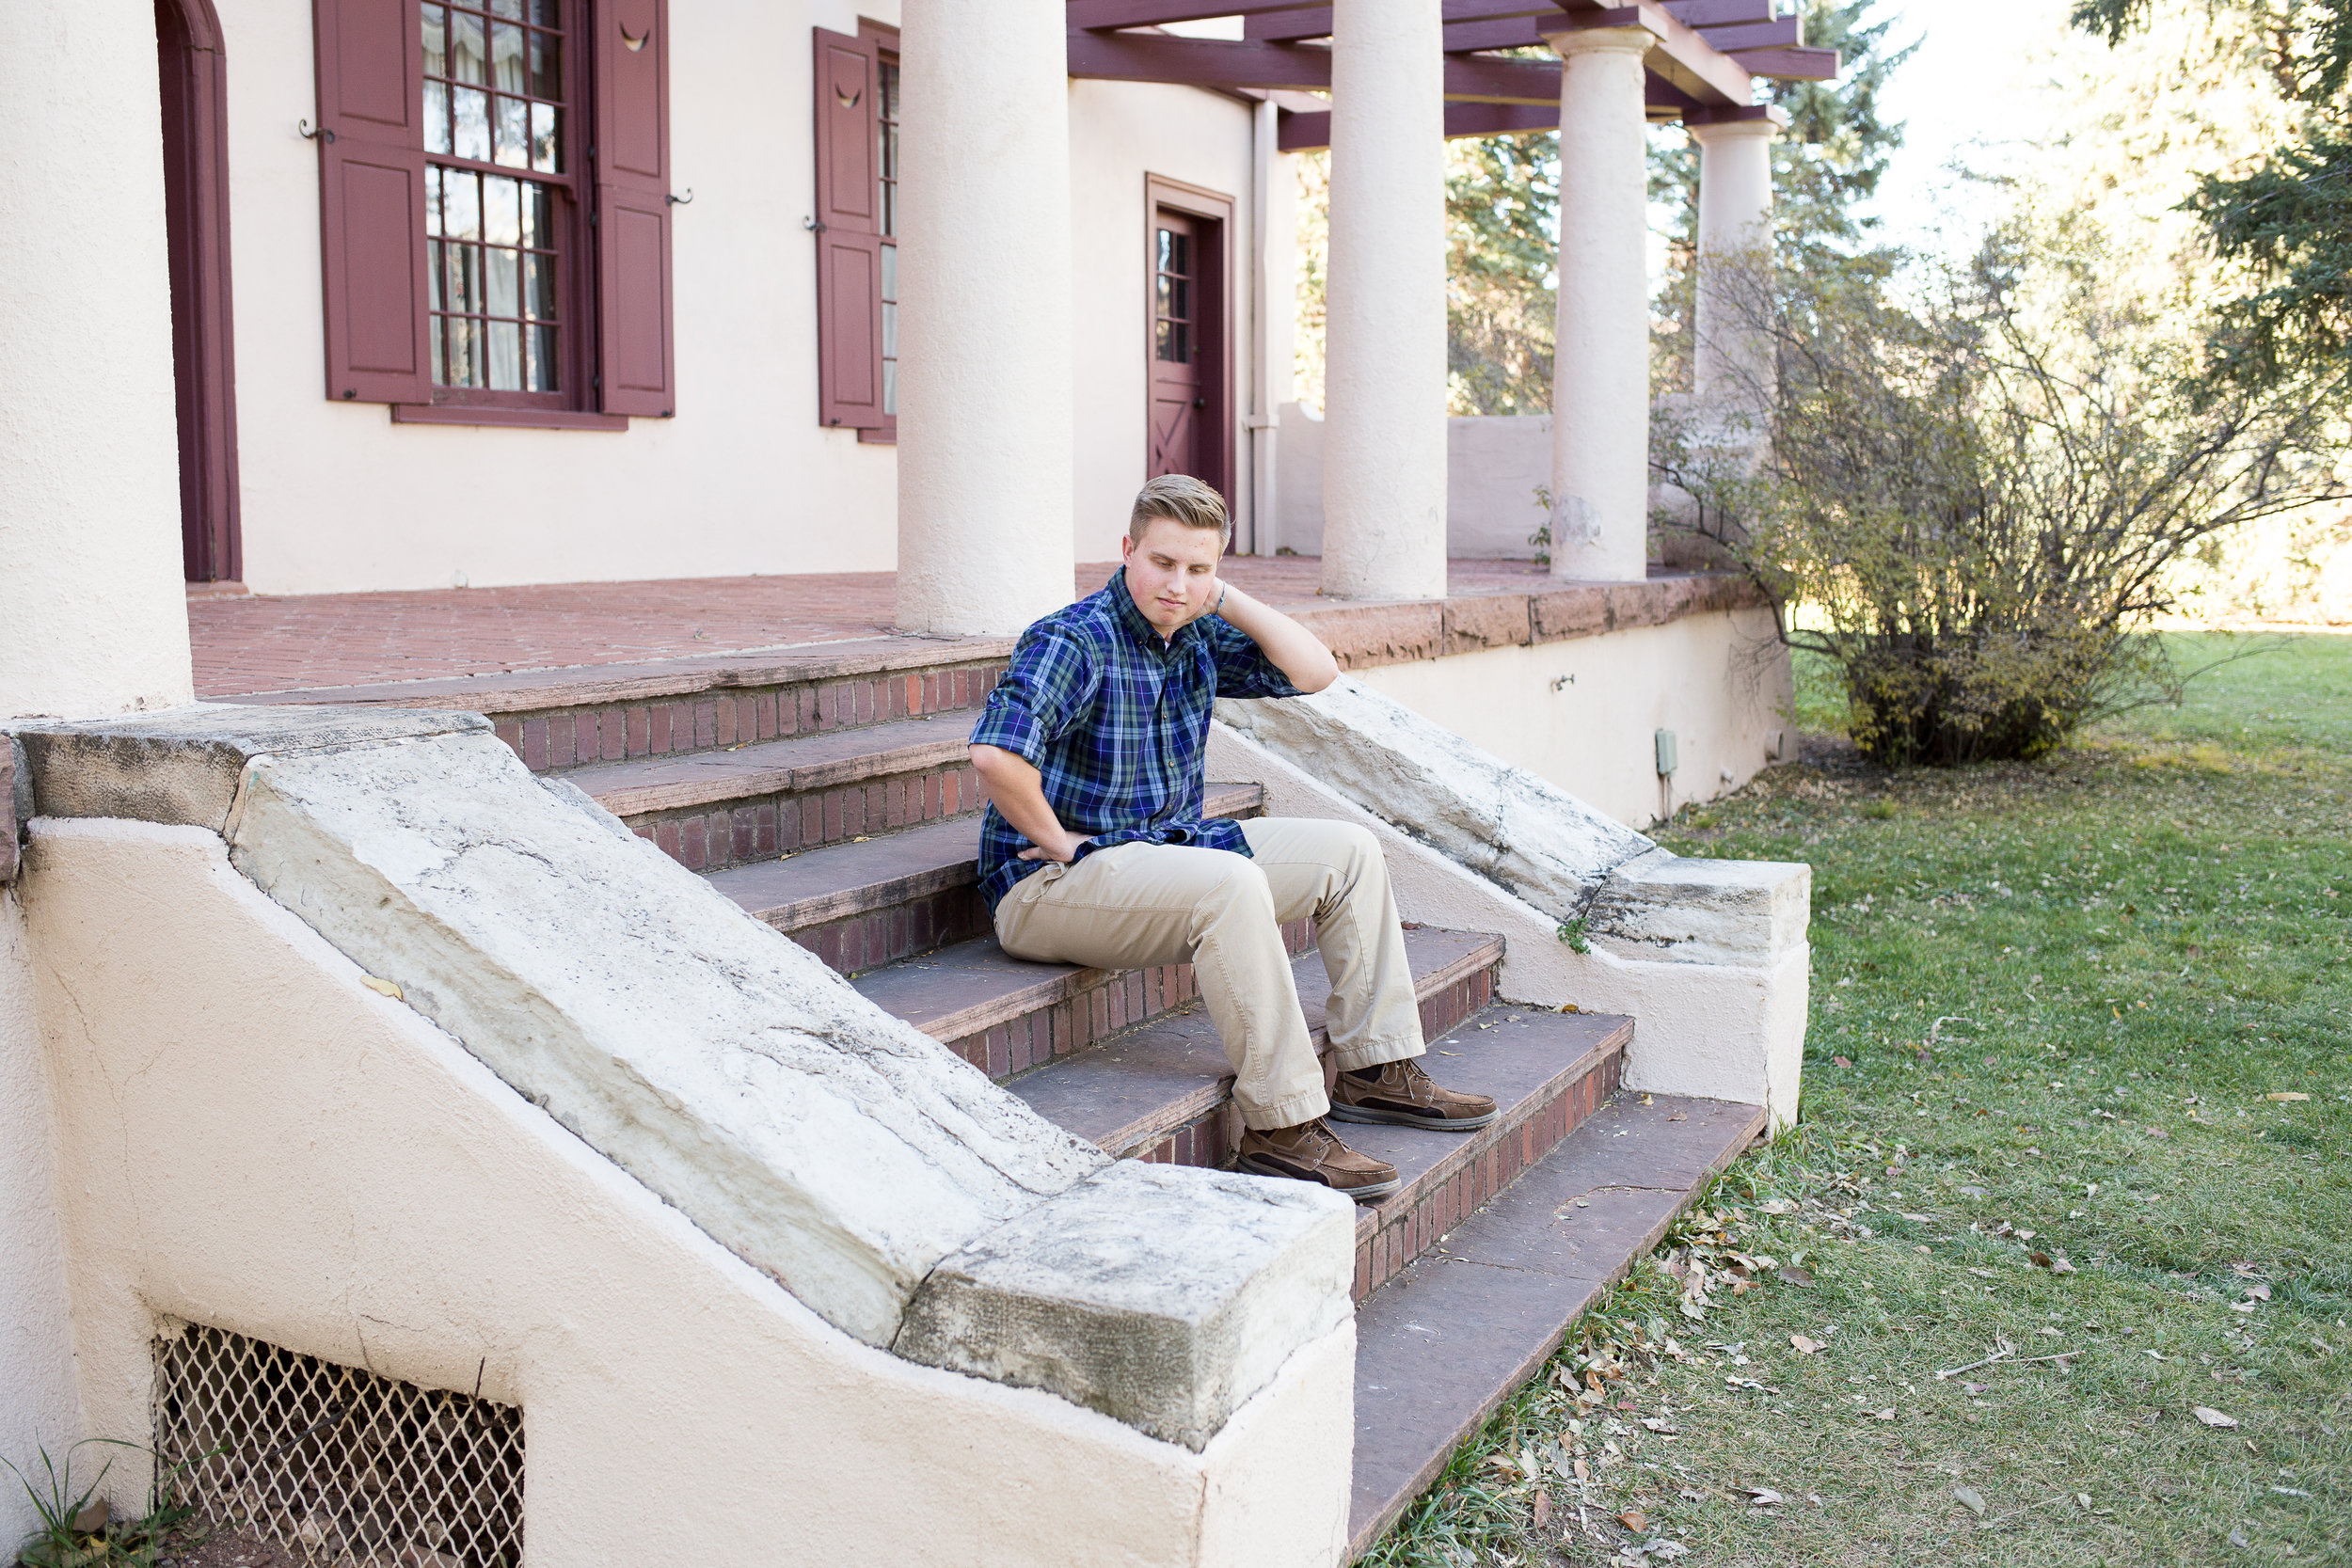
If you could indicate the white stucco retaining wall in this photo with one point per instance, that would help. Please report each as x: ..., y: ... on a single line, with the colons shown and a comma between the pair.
x: 1719, y: 681
x: 252, y: 1138
x: 38, y: 1403
x: 95, y: 619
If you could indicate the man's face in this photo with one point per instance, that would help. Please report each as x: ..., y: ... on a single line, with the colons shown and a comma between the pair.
x: 1172, y: 572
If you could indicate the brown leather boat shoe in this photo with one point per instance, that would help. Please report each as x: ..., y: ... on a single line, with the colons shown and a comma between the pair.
x: 1310, y: 1152
x: 1401, y: 1095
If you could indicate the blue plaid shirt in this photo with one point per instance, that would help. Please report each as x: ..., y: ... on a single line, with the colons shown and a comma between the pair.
x: 1116, y: 721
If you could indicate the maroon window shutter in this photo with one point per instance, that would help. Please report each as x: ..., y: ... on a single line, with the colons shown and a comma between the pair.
x: 635, y: 360
x: 848, y: 236
x: 371, y: 199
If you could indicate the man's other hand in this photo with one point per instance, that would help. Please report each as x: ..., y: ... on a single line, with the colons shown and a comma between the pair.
x: 1062, y: 850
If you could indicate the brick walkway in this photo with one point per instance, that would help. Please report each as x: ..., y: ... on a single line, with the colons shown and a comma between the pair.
x: 246, y: 645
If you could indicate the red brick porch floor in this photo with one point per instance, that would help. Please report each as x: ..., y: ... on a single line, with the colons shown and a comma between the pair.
x: 267, y: 644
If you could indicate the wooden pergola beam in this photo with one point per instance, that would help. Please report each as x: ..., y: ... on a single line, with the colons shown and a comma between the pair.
x: 1229, y: 63
x: 1791, y: 65
x: 1309, y: 132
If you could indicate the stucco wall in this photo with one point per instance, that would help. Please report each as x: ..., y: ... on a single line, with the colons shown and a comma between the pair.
x: 1493, y: 465
x: 743, y: 480
x: 252, y: 1139
x: 94, y: 620
x: 1119, y: 134
x: 38, y: 1407
x: 1719, y: 681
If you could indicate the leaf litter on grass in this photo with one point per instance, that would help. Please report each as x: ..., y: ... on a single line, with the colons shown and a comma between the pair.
x: 2143, y: 949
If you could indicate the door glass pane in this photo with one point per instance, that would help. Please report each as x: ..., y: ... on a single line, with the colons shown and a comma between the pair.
x: 548, y: 13
x: 538, y: 215
x: 436, y: 117
x: 1176, y: 298
x: 547, y: 138
x: 514, y: 133
x: 504, y: 293
x: 512, y: 8
x: 506, y: 57
x: 1175, y: 252
x: 470, y: 57
x: 547, y: 66
x: 539, y: 287
x: 472, y: 139
x: 436, y: 41
x: 505, y: 357
x: 543, y: 375
x: 461, y: 205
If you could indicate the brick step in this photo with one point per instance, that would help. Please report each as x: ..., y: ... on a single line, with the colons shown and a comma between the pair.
x: 1005, y: 1015
x: 1442, y: 1344
x: 710, y: 810
x: 1163, y: 1091
x: 860, y: 906
x: 587, y: 715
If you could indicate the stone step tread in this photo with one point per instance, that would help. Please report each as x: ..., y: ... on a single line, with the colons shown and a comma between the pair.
x: 1523, y: 1057
x: 1441, y: 1345
x: 796, y: 764
x: 843, y: 880
x: 1171, y: 1070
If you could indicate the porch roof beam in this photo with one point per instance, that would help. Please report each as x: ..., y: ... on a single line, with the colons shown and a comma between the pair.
x: 1228, y: 63
x: 1469, y: 23
x: 1100, y: 14
x: 1309, y: 130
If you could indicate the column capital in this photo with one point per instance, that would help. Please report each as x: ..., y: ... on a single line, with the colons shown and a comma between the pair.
x: 1601, y: 41
x: 1760, y: 127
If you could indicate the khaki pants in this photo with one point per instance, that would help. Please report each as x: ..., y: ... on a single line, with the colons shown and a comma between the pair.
x: 1138, y: 905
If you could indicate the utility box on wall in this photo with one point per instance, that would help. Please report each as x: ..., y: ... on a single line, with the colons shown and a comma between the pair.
x: 1668, y: 754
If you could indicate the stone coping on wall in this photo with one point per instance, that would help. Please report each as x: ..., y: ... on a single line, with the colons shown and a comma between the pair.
x: 1489, y: 604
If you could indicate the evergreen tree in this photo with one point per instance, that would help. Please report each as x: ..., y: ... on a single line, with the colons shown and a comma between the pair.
x: 2289, y: 220
x: 1502, y: 227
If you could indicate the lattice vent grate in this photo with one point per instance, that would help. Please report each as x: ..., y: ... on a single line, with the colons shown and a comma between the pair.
x: 341, y: 1466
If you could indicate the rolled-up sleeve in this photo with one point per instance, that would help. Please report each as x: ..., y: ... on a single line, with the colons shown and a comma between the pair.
x: 1242, y: 669
x: 1043, y: 693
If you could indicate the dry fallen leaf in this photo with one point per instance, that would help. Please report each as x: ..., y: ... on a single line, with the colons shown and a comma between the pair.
x: 1657, y: 1424
x: 1761, y: 1497
x: 2041, y: 1259
x: 2285, y: 1096
x: 1976, y: 1388
x: 1543, y: 1508
x: 2059, y: 1265
x: 1804, y: 1346
x: 1634, y: 1520
x: 382, y: 987
x: 2258, y: 1292
x: 1886, y: 1414
x: 1969, y: 1498
x: 2213, y: 1417
x: 1788, y: 1274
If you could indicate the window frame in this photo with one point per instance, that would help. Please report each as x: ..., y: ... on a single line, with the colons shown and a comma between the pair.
x: 576, y: 294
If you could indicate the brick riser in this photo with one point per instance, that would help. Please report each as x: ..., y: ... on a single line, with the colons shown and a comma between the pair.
x: 706, y: 838
x: 1211, y: 1139
x: 1092, y: 1014
x: 554, y: 740
x: 879, y: 936
x: 1396, y: 1233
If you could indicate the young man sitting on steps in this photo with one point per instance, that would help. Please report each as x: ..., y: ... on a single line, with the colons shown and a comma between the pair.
x: 1094, y: 849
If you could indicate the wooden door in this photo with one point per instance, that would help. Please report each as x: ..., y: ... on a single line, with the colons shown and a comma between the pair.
x: 1189, y: 402
x: 1179, y: 394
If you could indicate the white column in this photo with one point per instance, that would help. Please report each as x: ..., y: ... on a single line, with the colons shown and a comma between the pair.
x: 1601, y: 361
x: 985, y: 495
x: 93, y: 607
x: 1384, y: 314
x: 1733, y: 362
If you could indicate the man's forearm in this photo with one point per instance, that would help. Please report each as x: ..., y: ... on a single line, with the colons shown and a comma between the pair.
x: 1294, y: 650
x: 1018, y: 791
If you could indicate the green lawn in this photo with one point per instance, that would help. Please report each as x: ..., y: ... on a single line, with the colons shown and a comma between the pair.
x: 2053, y: 1008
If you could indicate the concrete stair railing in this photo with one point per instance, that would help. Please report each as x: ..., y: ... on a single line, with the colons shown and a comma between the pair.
x: 1711, y: 956
x: 830, y: 1145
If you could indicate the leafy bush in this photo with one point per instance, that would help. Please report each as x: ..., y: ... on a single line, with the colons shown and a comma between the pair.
x: 1969, y: 500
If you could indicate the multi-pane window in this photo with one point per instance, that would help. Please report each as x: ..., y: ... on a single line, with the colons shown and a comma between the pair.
x: 1172, y: 308
x: 886, y: 126
x: 500, y: 194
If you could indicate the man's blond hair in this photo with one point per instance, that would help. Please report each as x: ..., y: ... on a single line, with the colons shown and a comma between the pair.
x: 1180, y: 499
